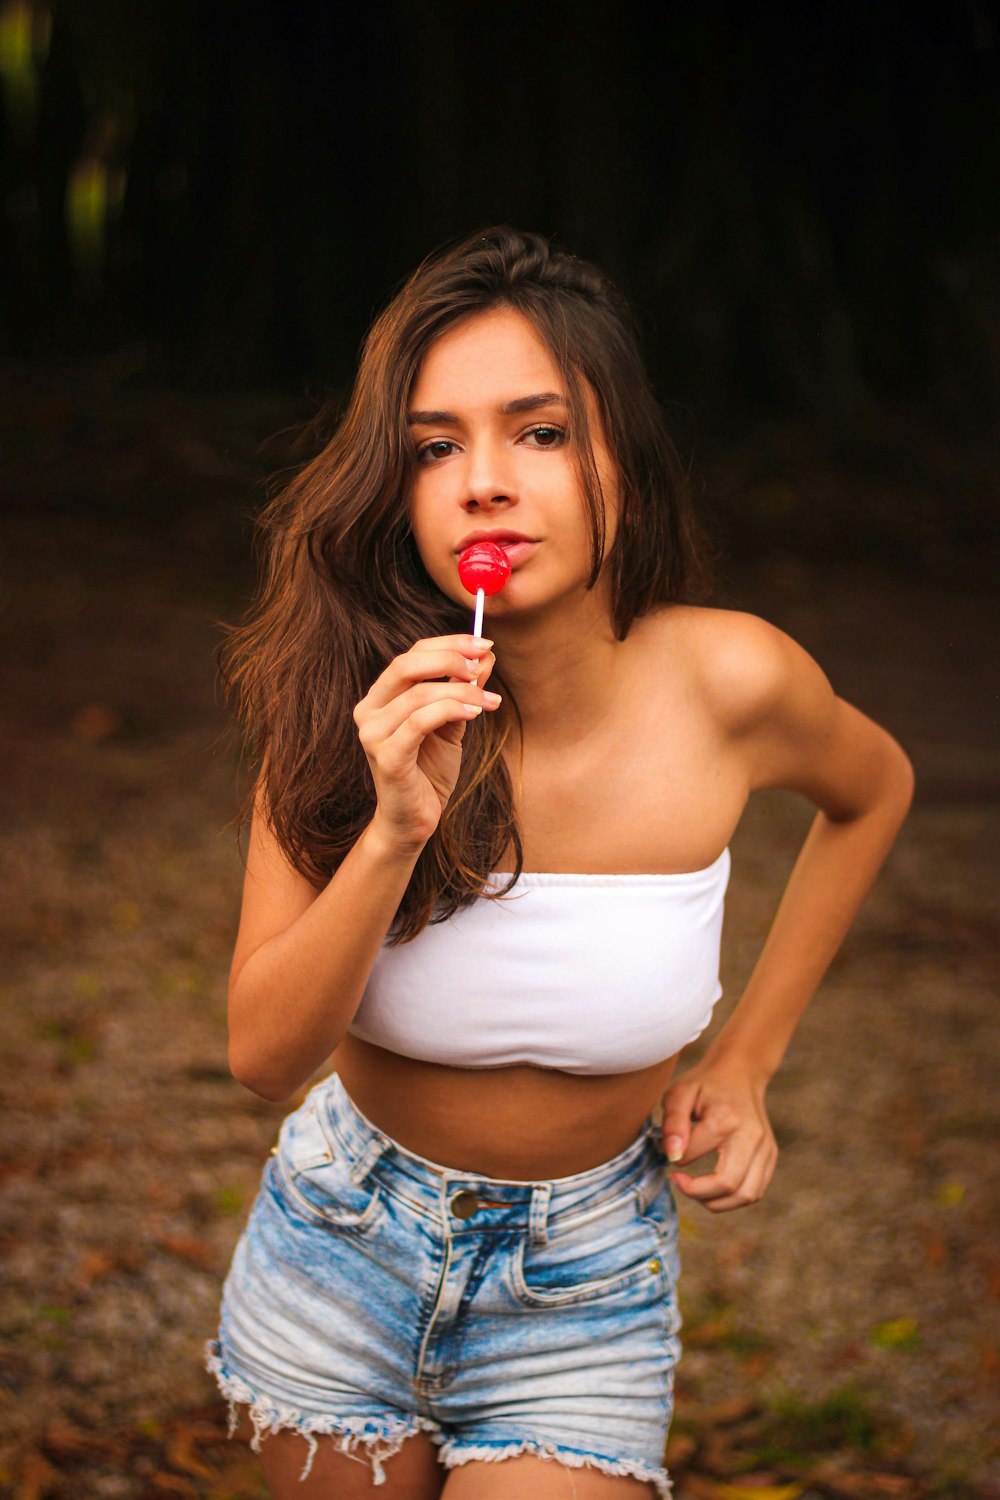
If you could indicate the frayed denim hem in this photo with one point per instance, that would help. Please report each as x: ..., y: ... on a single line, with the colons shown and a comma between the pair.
x: 453, y: 1453
x: 380, y: 1440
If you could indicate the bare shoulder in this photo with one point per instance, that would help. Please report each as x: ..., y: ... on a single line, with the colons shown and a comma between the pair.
x: 741, y: 665
x: 776, y: 708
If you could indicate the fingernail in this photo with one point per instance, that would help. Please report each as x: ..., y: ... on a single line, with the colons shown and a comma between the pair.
x: 493, y: 698
x: 480, y: 640
x: 473, y: 666
x: 675, y: 1148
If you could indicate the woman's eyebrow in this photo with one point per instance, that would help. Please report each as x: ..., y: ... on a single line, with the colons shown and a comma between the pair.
x: 509, y: 408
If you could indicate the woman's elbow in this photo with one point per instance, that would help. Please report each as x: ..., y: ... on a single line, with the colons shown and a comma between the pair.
x: 258, y: 1074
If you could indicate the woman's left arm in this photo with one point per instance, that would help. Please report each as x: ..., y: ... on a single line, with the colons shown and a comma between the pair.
x: 795, y: 734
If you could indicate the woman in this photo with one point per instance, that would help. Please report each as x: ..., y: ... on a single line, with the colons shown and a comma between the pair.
x: 500, y: 911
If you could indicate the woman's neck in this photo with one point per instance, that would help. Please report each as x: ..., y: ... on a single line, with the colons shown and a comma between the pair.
x: 563, y: 669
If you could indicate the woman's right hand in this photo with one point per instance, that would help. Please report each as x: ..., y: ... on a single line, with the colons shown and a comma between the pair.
x: 411, y: 726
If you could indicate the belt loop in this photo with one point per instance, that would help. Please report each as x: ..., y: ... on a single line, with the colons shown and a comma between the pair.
x: 537, y: 1218
x: 375, y: 1149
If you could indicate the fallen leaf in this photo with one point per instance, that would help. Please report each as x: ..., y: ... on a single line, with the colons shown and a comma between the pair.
x: 181, y: 1454
x: 171, y: 1484
x: 897, y: 1333
x: 727, y: 1413
x: 37, y: 1480
x: 62, y: 1440
x: 200, y: 1430
x: 92, y: 1266
x: 680, y: 1449
x: 935, y: 1248
x: 96, y: 1264
x: 760, y: 1491
x: 186, y: 1247
x: 847, y: 1355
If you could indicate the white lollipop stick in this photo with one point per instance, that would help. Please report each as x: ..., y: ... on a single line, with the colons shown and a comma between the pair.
x: 477, y: 623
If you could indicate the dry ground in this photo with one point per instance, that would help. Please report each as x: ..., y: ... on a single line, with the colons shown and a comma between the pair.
x: 841, y: 1336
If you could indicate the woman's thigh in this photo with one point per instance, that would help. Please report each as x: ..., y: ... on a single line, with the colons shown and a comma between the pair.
x: 542, y: 1479
x: 413, y: 1473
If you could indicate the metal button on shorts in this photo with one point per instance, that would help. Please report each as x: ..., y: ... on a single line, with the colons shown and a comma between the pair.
x: 464, y: 1204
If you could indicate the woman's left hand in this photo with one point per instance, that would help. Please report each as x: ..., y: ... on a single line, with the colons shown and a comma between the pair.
x: 719, y: 1106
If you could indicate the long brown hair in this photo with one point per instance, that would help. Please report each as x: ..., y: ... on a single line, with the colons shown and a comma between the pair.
x: 343, y: 590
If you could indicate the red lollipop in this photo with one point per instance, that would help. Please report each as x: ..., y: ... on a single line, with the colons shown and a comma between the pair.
x: 484, y: 568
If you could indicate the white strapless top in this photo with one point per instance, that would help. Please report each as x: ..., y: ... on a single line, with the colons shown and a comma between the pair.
x: 585, y: 973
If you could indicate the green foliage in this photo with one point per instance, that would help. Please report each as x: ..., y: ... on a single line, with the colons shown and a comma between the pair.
x: 897, y: 1333
x: 797, y: 1431
x: 230, y: 1200
x: 76, y: 1040
x: 54, y: 1312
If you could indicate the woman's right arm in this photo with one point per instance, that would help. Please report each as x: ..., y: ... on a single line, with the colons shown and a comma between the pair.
x: 303, y: 956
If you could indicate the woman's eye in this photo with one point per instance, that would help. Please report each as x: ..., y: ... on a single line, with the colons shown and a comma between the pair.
x: 555, y: 435
x: 426, y: 453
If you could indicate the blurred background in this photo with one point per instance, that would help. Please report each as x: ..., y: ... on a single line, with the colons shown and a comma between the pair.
x: 203, y: 206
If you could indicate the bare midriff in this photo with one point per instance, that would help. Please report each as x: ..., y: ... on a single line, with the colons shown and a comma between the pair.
x: 524, y: 1123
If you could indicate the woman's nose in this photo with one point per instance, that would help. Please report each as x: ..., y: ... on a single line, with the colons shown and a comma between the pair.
x: 489, y: 478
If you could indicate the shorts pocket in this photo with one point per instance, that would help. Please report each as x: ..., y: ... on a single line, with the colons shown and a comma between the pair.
x: 596, y: 1261
x: 660, y: 1212
x: 314, y: 1178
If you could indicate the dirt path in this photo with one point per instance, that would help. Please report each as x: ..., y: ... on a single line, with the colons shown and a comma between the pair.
x: 859, y: 1299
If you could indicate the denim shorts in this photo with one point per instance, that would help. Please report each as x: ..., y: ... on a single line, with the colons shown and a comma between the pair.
x: 375, y: 1294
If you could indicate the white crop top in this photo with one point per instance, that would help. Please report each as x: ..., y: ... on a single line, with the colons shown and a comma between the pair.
x: 585, y: 973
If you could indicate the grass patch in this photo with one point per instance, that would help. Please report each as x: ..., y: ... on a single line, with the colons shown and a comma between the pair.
x: 75, y: 1039
x: 230, y: 1200
x: 796, y: 1432
x: 54, y: 1313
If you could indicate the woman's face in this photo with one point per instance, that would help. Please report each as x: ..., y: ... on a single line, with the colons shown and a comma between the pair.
x: 489, y: 421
